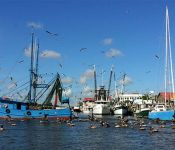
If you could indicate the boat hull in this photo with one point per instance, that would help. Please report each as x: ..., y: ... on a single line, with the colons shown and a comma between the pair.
x: 100, y: 109
x: 143, y: 113
x: 50, y: 114
x: 162, y: 115
x: 120, y: 111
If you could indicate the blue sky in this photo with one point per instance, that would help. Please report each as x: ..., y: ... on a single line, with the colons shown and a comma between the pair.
x: 124, y: 33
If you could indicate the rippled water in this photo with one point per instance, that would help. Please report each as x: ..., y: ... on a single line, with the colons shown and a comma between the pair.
x: 33, y: 135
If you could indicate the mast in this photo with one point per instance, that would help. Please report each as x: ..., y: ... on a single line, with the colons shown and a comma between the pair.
x: 168, y: 47
x: 31, y: 70
x: 95, y: 83
x: 36, y: 74
x: 110, y: 78
x: 123, y: 81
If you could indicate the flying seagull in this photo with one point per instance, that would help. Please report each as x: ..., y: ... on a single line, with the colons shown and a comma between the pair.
x: 157, y: 56
x: 82, y: 49
x: 60, y: 65
x: 148, y: 71
x: 21, y: 61
x: 54, y: 34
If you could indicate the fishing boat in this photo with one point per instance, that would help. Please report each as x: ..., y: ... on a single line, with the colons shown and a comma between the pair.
x: 29, y: 108
x: 143, y: 111
x: 161, y: 111
x: 102, y: 104
x: 88, y: 104
x: 119, y: 109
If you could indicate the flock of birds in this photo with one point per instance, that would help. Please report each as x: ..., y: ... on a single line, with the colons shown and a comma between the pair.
x: 141, y: 124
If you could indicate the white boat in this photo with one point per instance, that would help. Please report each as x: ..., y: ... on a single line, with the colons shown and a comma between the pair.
x: 119, y: 109
x: 101, y: 107
x: 88, y: 104
x: 102, y: 104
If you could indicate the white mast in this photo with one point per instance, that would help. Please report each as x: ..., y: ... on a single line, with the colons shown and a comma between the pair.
x: 166, y: 53
x: 168, y: 47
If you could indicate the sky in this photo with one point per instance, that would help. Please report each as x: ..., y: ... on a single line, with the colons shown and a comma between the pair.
x: 75, y: 35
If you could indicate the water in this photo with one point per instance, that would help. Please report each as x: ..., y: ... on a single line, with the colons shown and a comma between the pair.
x: 33, y: 135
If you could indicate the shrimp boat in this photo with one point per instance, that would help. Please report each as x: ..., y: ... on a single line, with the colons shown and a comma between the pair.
x: 161, y: 111
x: 102, y: 104
x: 54, y: 106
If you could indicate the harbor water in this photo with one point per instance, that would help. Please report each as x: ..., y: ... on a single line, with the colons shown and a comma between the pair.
x: 36, y: 135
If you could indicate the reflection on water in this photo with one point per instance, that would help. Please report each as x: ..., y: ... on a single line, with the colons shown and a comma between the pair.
x: 33, y: 135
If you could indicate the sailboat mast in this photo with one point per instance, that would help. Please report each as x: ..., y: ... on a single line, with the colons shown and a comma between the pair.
x: 170, y: 55
x: 166, y: 54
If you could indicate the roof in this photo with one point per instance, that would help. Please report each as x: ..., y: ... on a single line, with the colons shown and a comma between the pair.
x: 169, y: 95
x: 7, y: 100
x: 88, y: 99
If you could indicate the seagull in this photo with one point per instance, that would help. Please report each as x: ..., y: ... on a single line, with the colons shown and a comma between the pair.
x: 21, y: 61
x: 148, y: 71
x: 54, y: 34
x: 157, y: 56
x: 60, y: 65
x: 82, y: 49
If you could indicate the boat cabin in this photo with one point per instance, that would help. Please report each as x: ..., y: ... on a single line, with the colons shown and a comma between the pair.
x: 8, y: 104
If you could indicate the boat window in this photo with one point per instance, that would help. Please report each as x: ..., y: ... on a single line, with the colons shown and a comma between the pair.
x: 18, y: 106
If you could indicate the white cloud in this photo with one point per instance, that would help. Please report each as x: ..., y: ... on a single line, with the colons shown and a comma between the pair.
x: 88, y: 74
x: 126, y: 81
x: 113, y: 53
x: 50, y: 54
x: 66, y: 80
x: 107, y: 41
x: 35, y: 25
x: 27, y: 52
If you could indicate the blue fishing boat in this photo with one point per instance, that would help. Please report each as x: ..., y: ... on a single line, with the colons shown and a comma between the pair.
x: 54, y: 106
x: 161, y: 111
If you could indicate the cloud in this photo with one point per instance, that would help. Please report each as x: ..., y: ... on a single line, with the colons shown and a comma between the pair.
x: 111, y: 53
x: 107, y: 41
x: 126, y: 81
x: 27, y: 52
x: 35, y: 25
x: 88, y: 74
x: 66, y: 80
x: 50, y: 54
